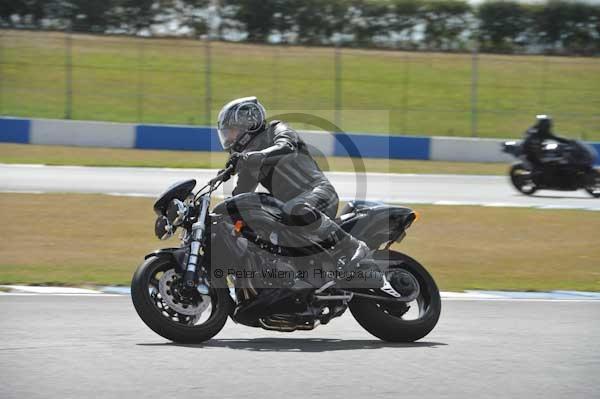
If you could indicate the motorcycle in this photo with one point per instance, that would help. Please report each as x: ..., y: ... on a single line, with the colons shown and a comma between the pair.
x: 237, y: 260
x: 560, y: 171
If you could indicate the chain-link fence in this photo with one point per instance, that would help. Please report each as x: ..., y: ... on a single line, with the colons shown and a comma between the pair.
x: 184, y: 81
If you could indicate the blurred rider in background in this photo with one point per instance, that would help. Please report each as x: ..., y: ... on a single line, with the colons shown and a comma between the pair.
x: 533, y: 145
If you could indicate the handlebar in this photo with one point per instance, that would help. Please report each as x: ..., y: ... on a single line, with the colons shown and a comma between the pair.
x: 223, y: 175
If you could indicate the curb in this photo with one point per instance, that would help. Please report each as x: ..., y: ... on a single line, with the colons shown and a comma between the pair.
x: 561, y: 295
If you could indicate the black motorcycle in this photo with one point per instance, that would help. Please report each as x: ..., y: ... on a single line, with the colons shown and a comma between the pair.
x: 239, y: 260
x: 559, y: 170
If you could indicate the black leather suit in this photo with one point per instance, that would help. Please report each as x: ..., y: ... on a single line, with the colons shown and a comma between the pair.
x: 534, y: 142
x: 291, y: 175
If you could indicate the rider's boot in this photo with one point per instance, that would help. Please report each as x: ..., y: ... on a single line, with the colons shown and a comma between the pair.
x: 359, y: 270
x: 355, y: 268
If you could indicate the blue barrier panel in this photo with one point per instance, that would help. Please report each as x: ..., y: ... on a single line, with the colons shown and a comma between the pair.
x: 164, y: 137
x: 371, y: 146
x: 215, y: 143
x: 410, y: 147
x: 14, y: 130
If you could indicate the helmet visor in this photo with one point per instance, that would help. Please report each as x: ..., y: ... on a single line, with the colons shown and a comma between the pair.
x: 228, y: 136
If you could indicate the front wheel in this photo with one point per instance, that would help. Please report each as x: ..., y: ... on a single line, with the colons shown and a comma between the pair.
x: 593, y: 186
x: 522, y: 179
x: 185, y: 318
x: 399, y: 321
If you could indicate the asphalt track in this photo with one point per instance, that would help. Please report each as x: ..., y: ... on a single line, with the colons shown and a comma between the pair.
x: 398, y: 188
x: 96, y: 346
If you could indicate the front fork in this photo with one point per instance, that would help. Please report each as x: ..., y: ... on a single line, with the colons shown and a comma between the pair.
x: 196, y: 253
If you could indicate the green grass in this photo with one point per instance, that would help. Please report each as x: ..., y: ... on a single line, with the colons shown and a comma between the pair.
x: 67, y: 239
x: 163, y: 81
x: 64, y: 155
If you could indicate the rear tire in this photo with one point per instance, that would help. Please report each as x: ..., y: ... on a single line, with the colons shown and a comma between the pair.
x: 593, y: 188
x: 522, y: 179
x: 155, y: 318
x: 380, y: 323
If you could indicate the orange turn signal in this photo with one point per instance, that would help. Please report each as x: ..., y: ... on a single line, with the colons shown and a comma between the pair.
x: 238, y: 226
x: 417, y: 216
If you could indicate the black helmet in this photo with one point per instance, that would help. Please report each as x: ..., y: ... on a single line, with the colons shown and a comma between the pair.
x: 238, y: 121
x: 543, y: 125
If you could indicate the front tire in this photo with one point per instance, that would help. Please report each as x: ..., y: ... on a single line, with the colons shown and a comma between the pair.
x: 166, y: 321
x: 522, y: 179
x: 389, y: 324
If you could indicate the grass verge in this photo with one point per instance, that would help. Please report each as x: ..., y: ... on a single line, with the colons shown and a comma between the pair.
x: 86, y: 156
x: 165, y: 81
x: 66, y: 239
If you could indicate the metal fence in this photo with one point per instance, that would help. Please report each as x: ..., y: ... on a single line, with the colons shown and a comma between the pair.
x: 184, y: 81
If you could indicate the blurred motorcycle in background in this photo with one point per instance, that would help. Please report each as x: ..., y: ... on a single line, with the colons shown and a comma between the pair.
x: 561, y: 168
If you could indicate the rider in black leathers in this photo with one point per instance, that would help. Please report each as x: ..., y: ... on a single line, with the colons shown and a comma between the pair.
x: 273, y: 155
x: 534, y: 140
x: 534, y: 143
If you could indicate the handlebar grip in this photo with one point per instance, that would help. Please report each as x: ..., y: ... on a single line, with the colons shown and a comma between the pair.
x: 223, y: 175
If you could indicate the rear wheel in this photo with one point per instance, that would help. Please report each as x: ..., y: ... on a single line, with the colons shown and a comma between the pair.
x: 400, y: 321
x: 185, y: 318
x: 593, y: 186
x: 522, y: 179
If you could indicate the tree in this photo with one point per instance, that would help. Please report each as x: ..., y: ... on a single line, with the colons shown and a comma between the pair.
x: 312, y: 21
x: 257, y: 17
x: 405, y: 19
x: 502, y: 25
x: 566, y: 27
x: 445, y: 21
x: 190, y: 16
x: 132, y: 16
x: 562, y: 26
x: 370, y: 18
x: 579, y: 30
x: 28, y: 12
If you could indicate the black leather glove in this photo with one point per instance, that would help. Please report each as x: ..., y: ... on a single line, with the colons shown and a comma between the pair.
x: 226, y: 176
x: 233, y: 159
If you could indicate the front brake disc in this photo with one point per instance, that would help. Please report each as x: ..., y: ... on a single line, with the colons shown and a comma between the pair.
x: 167, y: 285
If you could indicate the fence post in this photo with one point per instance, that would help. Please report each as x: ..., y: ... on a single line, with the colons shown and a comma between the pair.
x: 275, y: 78
x: 474, y: 84
x: 68, y: 74
x: 544, y: 72
x: 337, y: 84
x: 405, y: 81
x: 140, y: 81
x: 207, y: 80
x: 1, y: 74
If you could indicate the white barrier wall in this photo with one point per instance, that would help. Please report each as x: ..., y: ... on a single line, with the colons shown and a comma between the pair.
x: 319, y: 143
x: 202, y: 138
x: 464, y: 149
x: 82, y: 133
